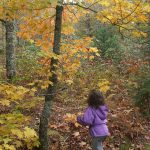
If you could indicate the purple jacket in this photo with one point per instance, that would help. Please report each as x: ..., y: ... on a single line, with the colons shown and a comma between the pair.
x: 96, y: 120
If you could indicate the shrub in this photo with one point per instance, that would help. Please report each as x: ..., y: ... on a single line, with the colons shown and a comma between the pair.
x: 142, y: 98
x: 108, y: 41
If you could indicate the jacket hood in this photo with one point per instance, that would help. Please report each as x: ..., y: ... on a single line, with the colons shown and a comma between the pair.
x: 102, y: 112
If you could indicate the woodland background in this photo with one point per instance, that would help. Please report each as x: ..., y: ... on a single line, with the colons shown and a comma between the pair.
x: 52, y: 53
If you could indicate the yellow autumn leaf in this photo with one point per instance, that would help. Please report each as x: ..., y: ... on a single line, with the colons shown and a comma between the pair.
x: 26, y: 35
x: 9, y: 147
x: 68, y: 30
x: 1, y: 147
x: 29, y: 133
x: 8, y: 92
x: 93, y: 49
x: 18, y: 144
x: 104, y: 85
x: 90, y: 1
x: 5, y: 102
x: 104, y: 3
x: 2, y: 121
x: 7, y: 140
x: 16, y: 96
x: 44, y: 86
x: 136, y: 34
x: 45, y: 46
x: 69, y: 82
x: 104, y: 89
x: 70, y: 117
x: 18, y: 133
x: 31, y: 41
x: 97, y: 54
x: 77, y: 125
x: 91, y: 57
x: 33, y: 89
x: 31, y: 84
x: 38, y: 42
x: 144, y: 34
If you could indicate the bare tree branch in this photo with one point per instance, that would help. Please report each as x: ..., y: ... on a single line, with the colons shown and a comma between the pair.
x: 110, y: 21
x: 93, y: 4
x: 132, y: 11
x: 72, y: 13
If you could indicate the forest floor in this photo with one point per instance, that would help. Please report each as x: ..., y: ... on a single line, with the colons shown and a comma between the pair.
x: 129, y: 130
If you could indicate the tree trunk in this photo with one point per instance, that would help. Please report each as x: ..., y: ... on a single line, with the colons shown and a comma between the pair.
x: 10, y: 50
x: 44, y: 119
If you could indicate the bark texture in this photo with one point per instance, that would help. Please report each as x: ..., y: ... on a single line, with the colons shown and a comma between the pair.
x: 44, y: 119
x: 10, y: 50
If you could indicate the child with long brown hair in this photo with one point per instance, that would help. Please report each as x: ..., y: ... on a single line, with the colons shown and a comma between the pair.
x: 95, y: 117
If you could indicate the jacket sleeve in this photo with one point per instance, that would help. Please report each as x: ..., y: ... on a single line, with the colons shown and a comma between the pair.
x: 87, y: 119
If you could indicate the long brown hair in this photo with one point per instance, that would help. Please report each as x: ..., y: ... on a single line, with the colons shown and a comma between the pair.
x: 95, y: 99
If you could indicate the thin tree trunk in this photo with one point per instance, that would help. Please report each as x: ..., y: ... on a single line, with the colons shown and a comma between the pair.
x: 10, y: 50
x: 44, y: 119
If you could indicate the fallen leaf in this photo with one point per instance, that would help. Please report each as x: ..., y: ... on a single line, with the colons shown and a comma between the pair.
x: 76, y: 134
x: 82, y: 144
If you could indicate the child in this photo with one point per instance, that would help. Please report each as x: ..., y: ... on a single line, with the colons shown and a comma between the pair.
x: 95, y: 117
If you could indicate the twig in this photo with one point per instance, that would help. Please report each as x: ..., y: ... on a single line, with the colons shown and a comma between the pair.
x: 132, y: 11
x: 65, y: 140
x: 72, y: 13
x: 93, y: 4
